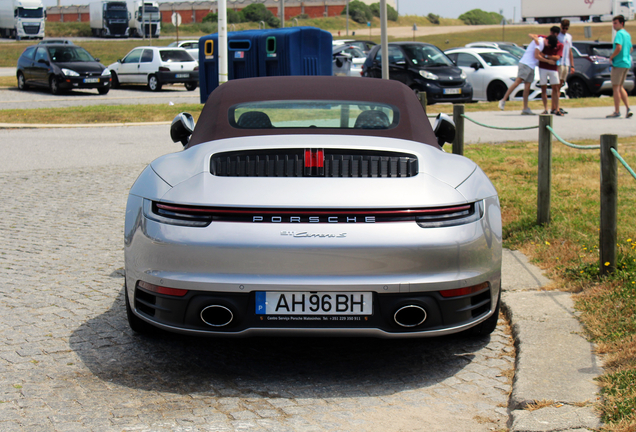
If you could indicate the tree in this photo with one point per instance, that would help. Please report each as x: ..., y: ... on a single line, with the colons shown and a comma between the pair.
x: 391, y: 14
x: 359, y: 12
x: 233, y: 17
x: 478, y: 17
x: 257, y: 12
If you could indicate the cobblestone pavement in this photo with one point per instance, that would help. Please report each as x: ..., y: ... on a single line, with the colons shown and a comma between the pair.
x: 69, y: 362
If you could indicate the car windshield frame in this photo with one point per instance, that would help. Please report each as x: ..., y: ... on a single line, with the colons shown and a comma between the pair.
x: 314, y: 114
x: 69, y: 54
x: 426, y: 56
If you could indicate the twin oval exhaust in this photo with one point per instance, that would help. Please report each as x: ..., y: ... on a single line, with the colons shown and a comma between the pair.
x: 406, y: 316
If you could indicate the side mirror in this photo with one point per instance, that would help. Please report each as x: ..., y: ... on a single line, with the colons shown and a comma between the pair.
x: 444, y: 129
x: 182, y: 127
x: 475, y: 66
x: 97, y: 59
x: 118, y: 60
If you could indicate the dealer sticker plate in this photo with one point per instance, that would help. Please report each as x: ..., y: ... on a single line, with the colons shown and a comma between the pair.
x: 453, y: 91
x: 314, y: 303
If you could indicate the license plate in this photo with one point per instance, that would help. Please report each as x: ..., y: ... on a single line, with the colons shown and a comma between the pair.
x: 452, y: 91
x: 91, y: 80
x: 314, y: 303
x: 182, y: 75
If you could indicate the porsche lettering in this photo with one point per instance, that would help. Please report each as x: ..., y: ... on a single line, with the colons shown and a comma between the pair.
x: 314, y: 219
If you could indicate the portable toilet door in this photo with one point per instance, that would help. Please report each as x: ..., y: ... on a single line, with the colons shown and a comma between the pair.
x: 208, y: 66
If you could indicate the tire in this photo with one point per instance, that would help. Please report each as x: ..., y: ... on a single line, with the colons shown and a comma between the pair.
x: 22, y: 85
x: 496, y: 91
x: 485, y: 328
x: 103, y: 90
x: 577, y: 88
x: 137, y: 324
x: 54, y: 85
x: 153, y: 83
x: 114, y: 81
x: 191, y: 86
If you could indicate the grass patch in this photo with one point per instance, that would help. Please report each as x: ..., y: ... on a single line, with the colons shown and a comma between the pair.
x: 99, y: 114
x: 156, y: 112
x: 567, y: 249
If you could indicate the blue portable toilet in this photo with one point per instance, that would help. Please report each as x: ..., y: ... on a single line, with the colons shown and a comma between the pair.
x: 277, y: 52
x: 295, y: 51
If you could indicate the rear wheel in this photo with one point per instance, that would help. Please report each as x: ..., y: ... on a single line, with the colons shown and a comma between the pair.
x: 153, y: 83
x: 54, y: 84
x: 577, y: 88
x: 496, y: 91
x: 137, y: 324
x: 22, y: 85
x: 486, y: 327
x: 191, y: 86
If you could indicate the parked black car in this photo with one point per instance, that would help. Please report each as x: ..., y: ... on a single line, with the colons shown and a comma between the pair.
x: 604, y: 49
x: 424, y: 68
x: 60, y: 67
x: 592, y: 76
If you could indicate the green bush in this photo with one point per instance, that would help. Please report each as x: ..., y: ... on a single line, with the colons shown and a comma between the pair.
x: 233, y: 17
x: 479, y: 17
x: 391, y: 14
x: 359, y: 12
x: 434, y: 19
x: 257, y: 12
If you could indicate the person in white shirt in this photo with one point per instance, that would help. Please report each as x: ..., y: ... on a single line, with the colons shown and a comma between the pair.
x: 525, y: 73
x: 566, y: 65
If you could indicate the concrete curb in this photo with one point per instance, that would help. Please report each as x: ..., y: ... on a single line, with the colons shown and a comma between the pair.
x: 555, y: 363
x: 68, y: 126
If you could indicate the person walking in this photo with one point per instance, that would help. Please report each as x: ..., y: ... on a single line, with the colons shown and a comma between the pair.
x: 566, y: 65
x: 621, y: 59
x: 525, y: 74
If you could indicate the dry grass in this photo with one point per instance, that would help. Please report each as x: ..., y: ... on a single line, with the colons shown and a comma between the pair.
x: 538, y: 404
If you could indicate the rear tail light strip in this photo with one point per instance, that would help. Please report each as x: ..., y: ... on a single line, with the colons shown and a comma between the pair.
x: 202, y: 216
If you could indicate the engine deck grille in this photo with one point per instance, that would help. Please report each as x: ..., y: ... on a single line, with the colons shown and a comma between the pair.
x: 313, y: 163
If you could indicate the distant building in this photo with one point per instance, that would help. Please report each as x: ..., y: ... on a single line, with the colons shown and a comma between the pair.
x: 195, y: 11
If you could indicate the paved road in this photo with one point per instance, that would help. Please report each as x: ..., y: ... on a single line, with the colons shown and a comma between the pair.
x: 68, y: 361
x: 12, y: 98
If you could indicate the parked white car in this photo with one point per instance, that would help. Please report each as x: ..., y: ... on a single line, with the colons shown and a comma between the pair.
x: 156, y: 66
x: 348, y: 60
x: 492, y: 71
x: 191, y: 46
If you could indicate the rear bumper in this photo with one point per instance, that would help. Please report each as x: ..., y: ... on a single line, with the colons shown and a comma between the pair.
x: 177, y: 77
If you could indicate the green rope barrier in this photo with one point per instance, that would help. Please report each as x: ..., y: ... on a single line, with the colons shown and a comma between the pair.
x: 499, y: 127
x: 631, y: 171
x: 576, y: 146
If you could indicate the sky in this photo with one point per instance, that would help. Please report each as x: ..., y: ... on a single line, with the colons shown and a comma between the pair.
x: 454, y: 8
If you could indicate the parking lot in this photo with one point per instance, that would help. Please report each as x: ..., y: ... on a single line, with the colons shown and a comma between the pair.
x: 68, y: 360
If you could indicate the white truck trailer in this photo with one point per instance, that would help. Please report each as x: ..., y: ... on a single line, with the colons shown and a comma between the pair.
x: 145, y: 18
x: 550, y: 11
x: 22, y: 19
x: 109, y: 18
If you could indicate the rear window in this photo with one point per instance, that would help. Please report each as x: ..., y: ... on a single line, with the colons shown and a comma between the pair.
x: 313, y: 114
x: 175, y: 56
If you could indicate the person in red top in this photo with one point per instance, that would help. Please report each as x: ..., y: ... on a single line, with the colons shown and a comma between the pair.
x: 548, y: 70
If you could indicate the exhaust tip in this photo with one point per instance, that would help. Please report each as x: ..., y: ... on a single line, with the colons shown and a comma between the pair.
x: 410, y: 316
x: 217, y: 316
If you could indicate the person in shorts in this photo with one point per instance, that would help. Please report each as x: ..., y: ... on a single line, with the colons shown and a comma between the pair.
x: 621, y: 59
x: 551, y: 54
x: 525, y: 74
x: 566, y: 65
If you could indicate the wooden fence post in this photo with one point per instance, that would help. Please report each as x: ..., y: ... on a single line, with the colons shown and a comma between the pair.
x: 458, y: 142
x: 609, y: 201
x: 423, y: 99
x: 544, y: 179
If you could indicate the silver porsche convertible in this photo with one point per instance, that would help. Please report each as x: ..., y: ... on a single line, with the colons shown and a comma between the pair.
x: 318, y: 206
